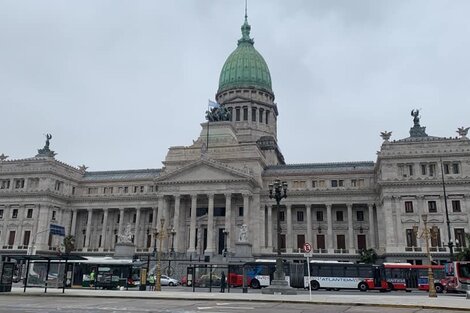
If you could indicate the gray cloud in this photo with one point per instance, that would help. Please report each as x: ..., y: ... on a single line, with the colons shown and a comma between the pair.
x: 119, y: 82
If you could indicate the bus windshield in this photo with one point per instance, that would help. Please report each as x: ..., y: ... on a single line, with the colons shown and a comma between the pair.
x: 464, y: 270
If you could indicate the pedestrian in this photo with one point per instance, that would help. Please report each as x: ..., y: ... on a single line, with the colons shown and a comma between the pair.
x: 151, y: 282
x: 222, y: 282
x: 92, y: 278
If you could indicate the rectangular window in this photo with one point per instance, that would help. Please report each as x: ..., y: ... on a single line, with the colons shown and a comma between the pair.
x: 320, y: 216
x: 408, y: 206
x: 73, y: 190
x: 456, y: 206
x: 26, y: 237
x: 5, y: 184
x: 300, y: 216
x: 340, y: 242
x: 432, y: 206
x: 141, y: 189
x: 19, y: 183
x: 339, y: 216
x: 410, y: 238
x: 151, y: 216
x: 1, y: 213
x: 435, y: 237
x: 340, y: 183
x: 353, y: 183
x: 410, y: 169
x: 149, y: 241
x: 300, y: 241
x: 360, y: 182
x: 14, y: 213
x: 118, y: 218
x: 314, y: 184
x: 424, y: 169
x: 320, y: 241
x: 134, y: 218
x: 455, y: 168
x: 237, y: 114
x: 11, y: 238
x: 58, y: 185
x: 136, y: 188
x: 99, y: 241
x: 261, y: 112
x: 360, y: 216
x: 219, y: 211
x: 29, y: 213
x: 334, y: 183
x: 361, y: 242
x: 460, y: 237
x: 282, y: 242
x: 267, y: 117
x: 240, y: 211
x: 253, y: 114
x: 432, y: 169
x: 282, y: 216
x: 54, y: 213
x: 245, y: 113
x: 446, y: 168
x: 321, y: 184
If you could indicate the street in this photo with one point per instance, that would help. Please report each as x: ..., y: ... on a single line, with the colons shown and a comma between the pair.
x: 22, y: 304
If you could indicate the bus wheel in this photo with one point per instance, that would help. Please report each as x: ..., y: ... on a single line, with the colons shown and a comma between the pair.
x: 390, y: 287
x: 363, y: 286
x: 255, y: 284
x: 314, y: 285
x: 439, y: 288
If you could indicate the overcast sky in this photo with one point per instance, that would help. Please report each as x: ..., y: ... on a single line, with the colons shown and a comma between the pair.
x: 118, y: 82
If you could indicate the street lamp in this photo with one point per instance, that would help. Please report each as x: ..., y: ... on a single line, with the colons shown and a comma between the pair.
x: 161, y: 235
x: 172, y: 232
x: 278, y: 191
x: 427, y: 234
x: 451, y: 250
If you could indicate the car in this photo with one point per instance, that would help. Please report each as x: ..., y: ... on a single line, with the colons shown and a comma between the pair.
x: 205, y: 280
x: 168, y: 281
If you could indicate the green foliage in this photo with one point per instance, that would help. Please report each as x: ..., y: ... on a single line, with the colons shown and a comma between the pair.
x: 69, y: 244
x: 368, y: 256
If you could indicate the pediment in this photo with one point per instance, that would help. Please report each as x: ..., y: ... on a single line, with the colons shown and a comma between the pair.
x: 204, y: 171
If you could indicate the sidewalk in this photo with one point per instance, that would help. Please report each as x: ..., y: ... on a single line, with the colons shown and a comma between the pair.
x: 454, y: 302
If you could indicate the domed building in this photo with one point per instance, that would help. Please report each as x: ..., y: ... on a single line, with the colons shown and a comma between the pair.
x: 212, y: 199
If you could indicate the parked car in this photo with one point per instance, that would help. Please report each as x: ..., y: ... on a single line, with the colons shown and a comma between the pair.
x: 205, y: 280
x: 168, y: 281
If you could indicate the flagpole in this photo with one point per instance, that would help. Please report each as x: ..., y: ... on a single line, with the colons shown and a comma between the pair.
x: 208, y: 122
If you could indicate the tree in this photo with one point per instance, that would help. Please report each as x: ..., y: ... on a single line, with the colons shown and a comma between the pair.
x: 69, y: 244
x: 464, y: 255
x: 368, y: 256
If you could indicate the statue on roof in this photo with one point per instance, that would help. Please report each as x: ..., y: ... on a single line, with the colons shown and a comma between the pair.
x: 386, y: 135
x: 462, y: 131
x: 416, y: 117
x: 218, y: 114
x: 3, y: 157
x: 46, y: 152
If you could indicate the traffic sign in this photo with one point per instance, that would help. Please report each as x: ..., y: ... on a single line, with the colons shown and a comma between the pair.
x: 307, y: 247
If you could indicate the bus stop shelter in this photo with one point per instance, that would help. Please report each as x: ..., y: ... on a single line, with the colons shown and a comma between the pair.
x: 47, y: 259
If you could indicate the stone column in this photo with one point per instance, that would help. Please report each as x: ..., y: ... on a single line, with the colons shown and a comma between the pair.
x: 160, y: 212
x: 121, y: 221
x: 136, y: 227
x: 372, y: 243
x: 154, y: 226
x: 19, y: 230
x: 270, y: 228
x: 192, y: 227
x: 176, y: 223
x: 399, y: 230
x: 388, y: 222
x: 105, y: 228
x: 246, y: 210
x: 88, y: 229
x: 210, y: 225
x: 350, y: 228
x: 228, y: 220
x: 329, y: 233
x: 73, y: 228
x: 308, y: 210
x: 4, y: 235
x: 289, y: 236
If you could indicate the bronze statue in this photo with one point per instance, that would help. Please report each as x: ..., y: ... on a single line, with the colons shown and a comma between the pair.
x: 48, y: 137
x: 415, y: 114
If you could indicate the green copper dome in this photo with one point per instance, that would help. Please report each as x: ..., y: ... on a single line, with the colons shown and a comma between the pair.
x: 245, y: 67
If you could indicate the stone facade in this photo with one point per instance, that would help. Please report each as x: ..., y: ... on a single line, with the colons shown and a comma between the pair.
x: 206, y: 191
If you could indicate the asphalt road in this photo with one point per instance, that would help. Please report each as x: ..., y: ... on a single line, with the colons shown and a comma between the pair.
x: 21, y: 304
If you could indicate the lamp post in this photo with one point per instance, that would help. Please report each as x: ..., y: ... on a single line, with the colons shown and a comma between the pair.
x: 427, y: 233
x: 161, y: 235
x: 225, y: 232
x: 451, y: 250
x: 278, y: 191
x: 172, y: 232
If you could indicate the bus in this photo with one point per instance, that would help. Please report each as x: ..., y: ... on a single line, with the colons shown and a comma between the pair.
x: 457, y: 276
x: 402, y: 276
x: 110, y: 272
x: 260, y: 273
x: 334, y: 275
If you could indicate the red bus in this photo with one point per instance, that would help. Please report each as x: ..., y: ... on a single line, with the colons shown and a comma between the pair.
x: 332, y: 275
x: 457, y: 276
x: 402, y: 276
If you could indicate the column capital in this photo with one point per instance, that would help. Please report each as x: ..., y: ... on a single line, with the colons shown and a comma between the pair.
x: 370, y: 205
x: 89, y: 209
x: 105, y: 209
x: 349, y: 205
x: 328, y: 205
x: 228, y: 195
x: 210, y: 195
x: 177, y: 196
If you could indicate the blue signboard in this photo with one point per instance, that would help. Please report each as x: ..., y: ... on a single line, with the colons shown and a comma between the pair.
x: 57, y: 230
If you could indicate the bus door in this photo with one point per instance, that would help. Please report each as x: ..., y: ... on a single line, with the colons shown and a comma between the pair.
x: 297, y: 275
x: 379, y: 276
